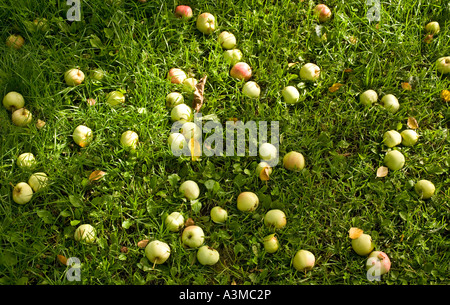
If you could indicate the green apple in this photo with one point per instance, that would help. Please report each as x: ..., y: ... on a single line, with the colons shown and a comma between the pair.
x: 310, y: 72
x: 260, y: 167
x: 181, y: 112
x: 363, y: 245
x: 432, y: 27
x: 394, y: 160
x: 82, y: 135
x: 290, y: 94
x: 304, y: 260
x: 189, y: 84
x: 206, y: 23
x: 247, y: 202
x: 443, y: 64
x: 271, y: 243
x: 390, y: 103
x: 21, y: 117
x: 15, y: 41
x: 191, y: 130
x: 409, y: 137
x: 227, y: 40
x: 38, y: 181
x: 294, y: 161
x: 157, y: 252
x: 74, y: 77
x: 190, y: 189
x: 368, y: 97
x: 85, y: 233
x: 129, y: 139
x: 22, y: 193
x: 268, y: 151
x: 174, y: 221
x: 98, y: 74
x: 176, y: 142
x: 26, y: 161
x: 207, y: 255
x: 425, y: 189
x: 115, y: 98
x: 251, y: 89
x: 275, y: 218
x: 218, y: 214
x: 193, y: 236
x: 173, y: 99
x: 13, y: 101
x: 392, y: 138
x: 232, y: 56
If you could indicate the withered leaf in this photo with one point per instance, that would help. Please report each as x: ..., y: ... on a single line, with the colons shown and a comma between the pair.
x: 199, y: 94
x: 354, y: 233
x: 428, y: 38
x: 96, y: 175
x: 195, y: 149
x: 406, y: 86
x: 40, y: 124
x: 382, y: 171
x: 142, y: 243
x: 412, y: 123
x: 189, y: 222
x: 348, y: 70
x: 445, y: 95
x: 62, y: 259
x: 335, y: 87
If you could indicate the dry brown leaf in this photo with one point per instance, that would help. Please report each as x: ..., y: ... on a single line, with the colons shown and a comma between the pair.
x: 348, y: 70
x: 198, y: 94
x: 406, y: 86
x: 354, y: 233
x: 189, y: 222
x: 412, y: 123
x: 428, y: 38
x: 62, y: 259
x: 264, y: 174
x: 445, y: 95
x: 96, y: 175
x: 335, y: 87
x: 142, y: 243
x: 382, y: 171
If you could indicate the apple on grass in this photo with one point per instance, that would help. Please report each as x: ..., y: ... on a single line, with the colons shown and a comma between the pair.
x: 294, y: 161
x: 310, y: 72
x: 82, y: 135
x: 98, y: 74
x: 184, y: 12
x: 368, y: 97
x: 432, y: 27
x: 22, y: 193
x: 271, y: 243
x: 193, y: 236
x: 173, y: 99
x: 157, y: 252
x: 241, y: 71
x: 15, y: 41
x: 174, y: 221
x: 176, y: 141
x: 378, y: 263
x: 268, y: 152
x: 425, y: 189
x: 227, y: 40
x: 26, y: 161
x: 443, y: 65
x: 181, y: 112
x: 232, y: 56
x: 206, y: 23
x: 409, y: 137
x: 251, y: 89
x: 13, y: 101
x: 392, y: 138
x: 322, y: 12
x: 275, y: 218
x: 290, y: 94
x: 129, y: 139
x: 207, y: 255
x: 304, y: 260
x: 218, y: 214
x: 190, y: 189
x: 21, y: 117
x: 191, y: 130
x: 176, y: 75
x: 394, y: 160
x: 363, y: 244
x: 263, y: 170
x: 38, y: 181
x: 74, y: 77
x: 390, y: 103
x: 189, y: 84
x: 85, y: 233
x: 115, y: 98
x: 247, y: 202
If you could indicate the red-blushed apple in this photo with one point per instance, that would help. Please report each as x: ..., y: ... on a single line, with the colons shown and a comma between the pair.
x: 38, y: 181
x: 368, y: 97
x: 392, y: 138
x: 157, y: 252
x: 271, y: 243
x: 363, y: 245
x: 390, y: 103
x: 26, y: 161
x: 15, y: 41
x: 181, y: 112
x: 22, y: 193
x: 294, y: 161
x: 129, y: 139
x: 310, y: 72
x: 432, y: 27
x: 322, y: 12
x: 227, y: 40
x: 443, y: 65
x: 176, y: 75
x: 184, y: 12
x: 251, y: 89
x: 425, y: 189
x: 409, y: 137
x: 193, y: 236
x: 21, y: 117
x: 290, y: 94
x: 207, y: 255
x: 218, y: 214
x: 275, y: 218
x: 13, y: 101
x: 394, y: 160
x: 85, y: 233
x: 378, y: 263
x: 304, y: 260
x: 173, y: 99
x: 82, y: 135
x: 190, y: 189
x: 174, y: 221
x: 232, y: 56
x: 247, y: 202
x: 74, y: 77
x: 206, y: 23
x: 115, y: 98
x: 241, y: 71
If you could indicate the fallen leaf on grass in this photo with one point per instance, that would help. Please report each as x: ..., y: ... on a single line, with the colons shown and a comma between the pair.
x: 348, y: 70
x: 189, y: 222
x: 198, y: 94
x: 412, y: 123
x: 354, y: 233
x: 40, y: 124
x: 382, y: 171
x: 62, y: 259
x: 96, y: 175
x: 142, y: 243
x: 335, y: 87
x: 428, y: 38
x: 406, y: 86
x: 445, y: 95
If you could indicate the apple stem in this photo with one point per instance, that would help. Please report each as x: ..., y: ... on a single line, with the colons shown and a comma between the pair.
x: 12, y: 184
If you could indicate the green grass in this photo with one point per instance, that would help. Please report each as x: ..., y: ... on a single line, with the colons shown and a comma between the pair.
x: 341, y: 141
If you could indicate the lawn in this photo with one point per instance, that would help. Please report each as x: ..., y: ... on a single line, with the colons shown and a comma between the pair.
x: 340, y: 139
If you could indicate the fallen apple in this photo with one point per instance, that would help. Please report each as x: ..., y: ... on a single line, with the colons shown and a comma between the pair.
x: 425, y: 189
x: 129, y: 139
x: 232, y: 56
x: 392, y: 138
x: 432, y: 27
x: 251, y: 89
x: 22, y: 193
x: 263, y: 166
x: 191, y: 130
x: 443, y: 65
x: 176, y: 75
x: 82, y: 135
x: 268, y: 151
x: 193, y: 236
x: 409, y: 137
x: 74, y: 77
x: 21, y: 117
x: 26, y: 161
x: 227, y: 40
x: 247, y: 202
x: 290, y: 94
x: 176, y: 142
x: 394, y: 160
x: 378, y: 263
x: 368, y: 97
x: 15, y: 41
x: 13, y: 101
x: 181, y: 112
x: 310, y: 72
x: 98, y: 74
x: 85, y: 233
x: 207, y: 255
x: 363, y: 245
x: 218, y: 214
x: 38, y: 181
x: 115, y: 98
x: 390, y: 103
x: 275, y: 218
x: 174, y: 221
x: 190, y: 189
x: 322, y: 12
x: 184, y: 12
x: 241, y: 71
x: 206, y: 23
x: 173, y: 99
x: 189, y: 84
x: 157, y: 252
x: 294, y: 161
x: 271, y: 243
x: 304, y: 260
